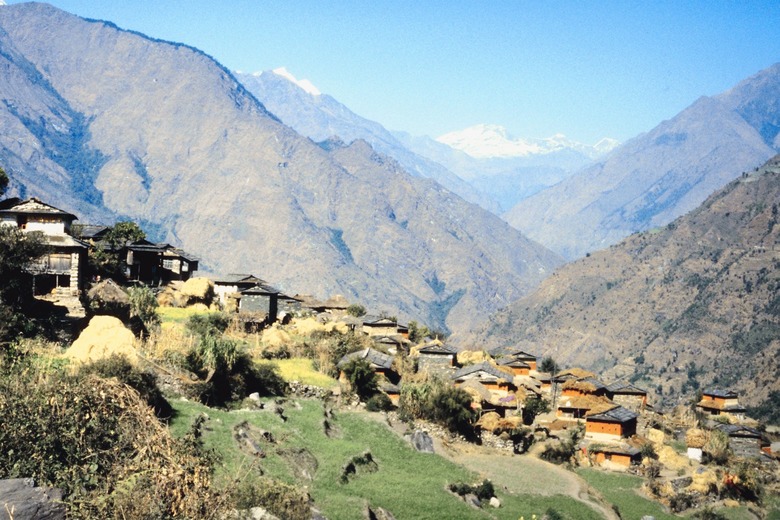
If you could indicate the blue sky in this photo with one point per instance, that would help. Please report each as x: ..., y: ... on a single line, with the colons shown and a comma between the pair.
x: 584, y: 69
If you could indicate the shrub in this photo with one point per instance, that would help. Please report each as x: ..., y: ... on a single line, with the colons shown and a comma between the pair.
x: 101, y: 444
x: 534, y: 407
x: 379, y: 403
x: 143, y: 306
x: 211, y: 324
x: 280, y: 499
x: 143, y: 382
x: 483, y: 490
x: 717, y: 447
x: 362, y: 378
x: 228, y: 373
x: 356, y: 310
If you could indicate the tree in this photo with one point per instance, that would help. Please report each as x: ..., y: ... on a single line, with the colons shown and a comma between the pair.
x: 3, y: 181
x: 549, y: 365
x: 17, y: 250
x: 356, y: 310
x: 417, y: 332
x: 107, y: 261
x: 534, y: 407
x: 362, y: 378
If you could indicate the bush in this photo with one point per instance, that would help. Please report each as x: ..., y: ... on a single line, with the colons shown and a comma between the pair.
x: 280, y: 499
x: 483, y: 490
x: 379, y: 403
x: 717, y: 447
x: 362, y: 378
x: 534, y: 407
x: 228, y: 373
x: 439, y: 402
x: 211, y: 324
x: 101, y: 444
x: 143, y: 306
x: 356, y: 310
x: 143, y: 382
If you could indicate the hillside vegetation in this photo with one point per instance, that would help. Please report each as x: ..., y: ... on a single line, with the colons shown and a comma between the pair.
x: 675, y: 309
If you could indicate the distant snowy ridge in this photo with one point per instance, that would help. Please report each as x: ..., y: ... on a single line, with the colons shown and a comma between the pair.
x: 305, y: 84
x: 487, y: 141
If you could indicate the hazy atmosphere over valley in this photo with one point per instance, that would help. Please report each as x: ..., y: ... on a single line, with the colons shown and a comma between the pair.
x: 523, y: 231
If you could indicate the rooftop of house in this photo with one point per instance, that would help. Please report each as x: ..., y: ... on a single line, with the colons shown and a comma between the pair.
x: 64, y: 241
x: 719, y: 392
x: 90, y: 231
x: 592, y: 403
x: 738, y: 430
x: 260, y: 288
x: 615, y: 414
x: 375, y: 357
x: 586, y: 385
x: 485, y: 367
x: 717, y: 405
x: 437, y: 348
x: 513, y: 362
x: 625, y: 388
x: 161, y: 248
x: 574, y: 373
x: 510, y: 351
x: 235, y: 278
x: 337, y: 302
x: 33, y: 206
x: 376, y: 321
x: 616, y: 449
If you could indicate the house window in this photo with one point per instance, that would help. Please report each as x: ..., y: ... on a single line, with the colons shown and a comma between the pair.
x: 185, y: 267
x: 168, y: 264
x: 60, y: 262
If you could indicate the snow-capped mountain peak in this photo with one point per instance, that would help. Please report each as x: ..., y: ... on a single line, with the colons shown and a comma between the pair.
x: 305, y: 84
x: 487, y: 141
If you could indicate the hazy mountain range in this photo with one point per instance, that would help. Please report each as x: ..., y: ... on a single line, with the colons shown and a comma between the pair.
x: 111, y: 124
x: 659, y: 175
x: 694, y: 304
x: 496, y: 177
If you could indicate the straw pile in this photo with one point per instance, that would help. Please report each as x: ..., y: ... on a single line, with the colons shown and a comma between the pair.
x: 471, y: 357
x: 696, y: 438
x: 104, y: 337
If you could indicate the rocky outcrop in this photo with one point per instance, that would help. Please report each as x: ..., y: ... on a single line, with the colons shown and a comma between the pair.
x: 20, y: 499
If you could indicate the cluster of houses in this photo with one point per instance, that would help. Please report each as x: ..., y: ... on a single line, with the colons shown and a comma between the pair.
x: 503, y: 380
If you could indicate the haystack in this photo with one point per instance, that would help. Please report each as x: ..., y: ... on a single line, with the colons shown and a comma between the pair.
x: 307, y: 326
x: 275, y: 337
x: 471, y: 357
x: 696, y: 438
x: 489, y: 421
x: 704, y: 482
x: 671, y: 459
x: 103, y: 337
x: 199, y: 289
x: 576, y: 372
x: 108, y: 292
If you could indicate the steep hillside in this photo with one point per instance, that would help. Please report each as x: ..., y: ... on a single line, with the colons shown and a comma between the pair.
x: 320, y: 117
x: 106, y: 123
x: 660, y: 175
x: 696, y: 303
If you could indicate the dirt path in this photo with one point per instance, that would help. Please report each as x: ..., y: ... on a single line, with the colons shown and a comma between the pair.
x: 517, y: 474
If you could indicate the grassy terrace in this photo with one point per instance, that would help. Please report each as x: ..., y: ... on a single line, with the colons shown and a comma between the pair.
x: 621, y: 491
x: 407, y: 483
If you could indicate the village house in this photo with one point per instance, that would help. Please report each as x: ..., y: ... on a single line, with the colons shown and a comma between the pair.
x: 62, y: 268
x: 380, y: 363
x: 628, y: 396
x: 489, y: 375
x: 612, y: 424
x: 156, y: 264
x: 582, y: 387
x: 518, y: 367
x: 721, y: 402
x: 610, y: 455
x: 485, y: 400
x: 374, y: 326
x: 393, y: 344
x: 336, y: 305
x: 436, y: 357
x: 515, y: 354
x: 746, y: 442
x: 578, y: 406
x: 226, y: 288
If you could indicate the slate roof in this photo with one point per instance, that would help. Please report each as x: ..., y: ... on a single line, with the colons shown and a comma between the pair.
x: 588, y: 384
x: 591, y: 403
x: 737, y: 430
x: 616, y: 414
x: 260, y: 289
x: 715, y: 405
x: 235, y: 278
x: 91, y: 231
x: 618, y: 449
x: 34, y: 206
x: 64, y: 241
x: 514, y: 352
x: 161, y: 248
x: 718, y: 392
x: 625, y: 388
x: 435, y: 348
x: 513, y: 362
x: 375, y: 357
x: 375, y: 321
x: 484, y: 367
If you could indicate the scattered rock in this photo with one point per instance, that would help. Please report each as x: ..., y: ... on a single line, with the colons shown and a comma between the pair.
x: 377, y: 514
x: 250, y: 438
x: 316, y: 514
x: 421, y: 441
x: 254, y: 396
x: 358, y: 464
x: 21, y: 500
x: 729, y: 502
x: 495, y: 502
x: 301, y: 461
x: 472, y: 500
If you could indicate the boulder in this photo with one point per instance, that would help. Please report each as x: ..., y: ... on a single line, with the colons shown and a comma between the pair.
x: 472, y: 500
x: 421, y: 441
x: 103, y: 337
x: 495, y: 502
x: 377, y: 513
x: 21, y: 500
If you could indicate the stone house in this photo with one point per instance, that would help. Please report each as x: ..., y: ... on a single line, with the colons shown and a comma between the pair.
x: 746, y: 442
x: 155, y: 264
x: 374, y: 326
x: 621, y: 455
x: 628, y: 396
x: 582, y: 387
x: 578, y: 406
x: 436, y: 357
x: 716, y: 401
x: 612, y: 424
x: 489, y: 375
x: 227, y: 287
x: 380, y: 363
x: 62, y: 268
x: 518, y: 367
x: 514, y: 353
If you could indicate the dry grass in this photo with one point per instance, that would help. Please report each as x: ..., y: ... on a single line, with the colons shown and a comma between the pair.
x: 302, y: 370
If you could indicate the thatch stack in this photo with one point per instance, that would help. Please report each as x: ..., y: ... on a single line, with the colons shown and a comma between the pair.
x: 103, y: 337
x: 472, y: 357
x: 696, y: 438
x: 198, y: 290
